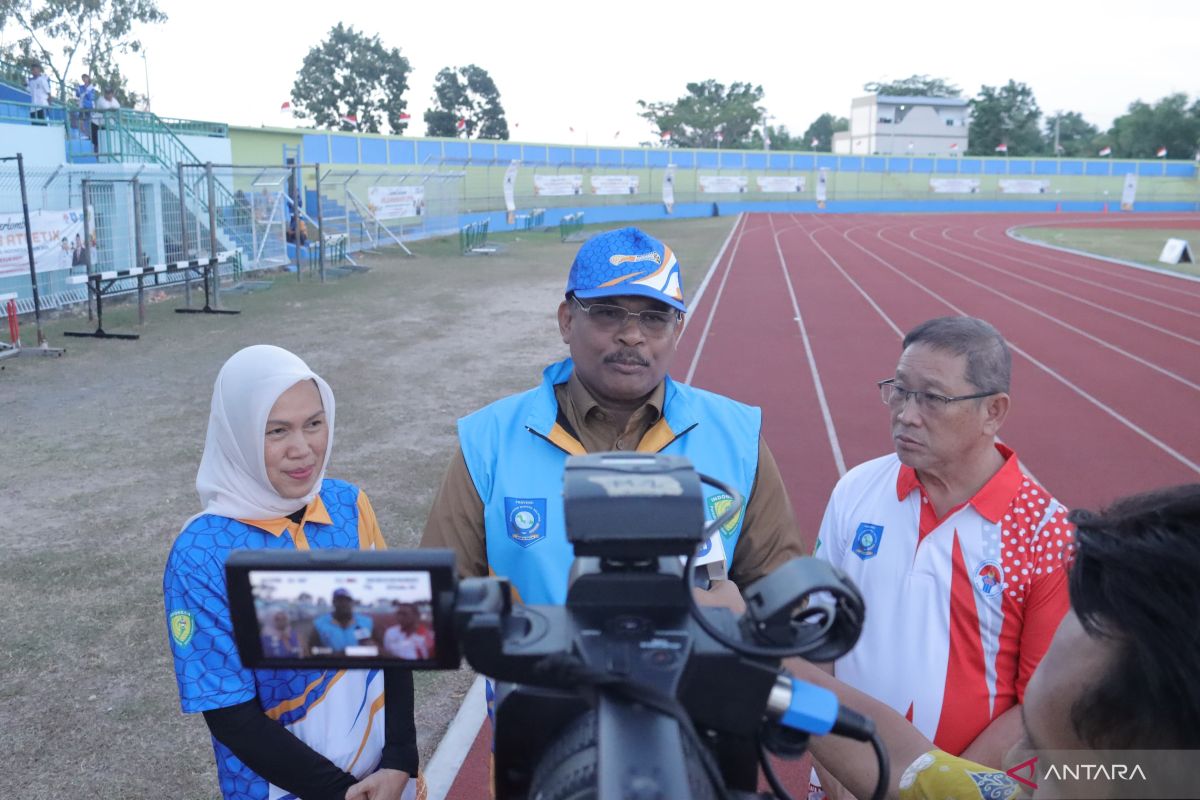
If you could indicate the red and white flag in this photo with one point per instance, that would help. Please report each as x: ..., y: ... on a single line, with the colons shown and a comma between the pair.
x: 1002, y: 148
x: 287, y: 106
x: 720, y: 137
x: 815, y: 142
x: 350, y: 119
x: 1106, y: 151
x: 666, y: 136
x: 405, y: 115
x: 571, y: 128
x: 1161, y: 153
x: 954, y: 145
x: 461, y: 125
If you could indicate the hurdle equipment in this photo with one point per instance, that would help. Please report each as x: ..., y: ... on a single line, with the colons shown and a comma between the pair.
x: 101, y: 283
x: 569, y: 226
x: 472, y: 238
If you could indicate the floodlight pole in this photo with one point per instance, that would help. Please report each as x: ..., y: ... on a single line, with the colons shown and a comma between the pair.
x: 320, y: 226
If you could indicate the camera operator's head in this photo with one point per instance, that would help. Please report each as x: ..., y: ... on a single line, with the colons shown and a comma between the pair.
x: 1121, y: 671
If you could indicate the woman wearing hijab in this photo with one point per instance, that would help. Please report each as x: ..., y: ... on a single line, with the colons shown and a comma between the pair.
x: 262, y: 485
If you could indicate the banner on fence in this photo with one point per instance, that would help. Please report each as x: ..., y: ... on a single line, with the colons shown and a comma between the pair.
x: 396, y: 202
x: 1129, y: 193
x: 615, y: 184
x: 550, y: 185
x: 723, y: 184
x: 669, y: 188
x: 1023, y: 186
x: 510, y: 185
x: 822, y: 183
x: 780, y: 183
x: 954, y: 185
x: 55, y: 245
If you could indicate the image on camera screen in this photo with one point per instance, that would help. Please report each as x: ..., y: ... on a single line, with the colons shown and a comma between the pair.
x: 347, y: 614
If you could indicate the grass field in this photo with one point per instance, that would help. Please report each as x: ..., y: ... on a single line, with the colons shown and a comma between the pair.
x: 100, y: 455
x: 1140, y: 245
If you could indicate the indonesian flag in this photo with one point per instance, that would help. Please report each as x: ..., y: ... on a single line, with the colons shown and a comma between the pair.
x: 287, y: 106
x: 571, y: 128
x: 405, y: 115
x: 1161, y: 153
x: 666, y: 136
x: 1002, y: 148
x: 350, y: 119
x: 720, y: 136
x: 1106, y: 151
x: 461, y: 125
x: 815, y: 142
x: 954, y: 145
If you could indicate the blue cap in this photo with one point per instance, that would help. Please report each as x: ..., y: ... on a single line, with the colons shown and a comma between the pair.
x: 626, y: 262
x: 342, y: 592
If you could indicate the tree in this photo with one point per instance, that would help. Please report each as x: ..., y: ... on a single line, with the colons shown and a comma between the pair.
x: 1075, y: 135
x: 468, y: 94
x: 914, y: 86
x: 1008, y: 115
x: 1169, y: 123
x: 352, y: 82
x: 822, y: 129
x: 708, y: 108
x: 85, y: 34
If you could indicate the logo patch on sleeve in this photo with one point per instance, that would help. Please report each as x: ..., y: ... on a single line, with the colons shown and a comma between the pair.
x: 526, y: 519
x: 866, y: 540
x: 183, y: 627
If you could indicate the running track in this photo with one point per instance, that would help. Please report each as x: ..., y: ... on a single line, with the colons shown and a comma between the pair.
x: 802, y: 313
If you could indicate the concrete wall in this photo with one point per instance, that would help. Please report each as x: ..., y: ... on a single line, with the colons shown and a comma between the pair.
x: 41, y: 146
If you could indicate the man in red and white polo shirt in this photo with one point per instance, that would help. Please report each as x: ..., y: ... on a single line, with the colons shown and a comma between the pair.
x: 961, y: 557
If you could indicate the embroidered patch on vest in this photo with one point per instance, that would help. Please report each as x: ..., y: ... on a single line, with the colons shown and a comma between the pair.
x: 718, y: 504
x: 526, y: 519
x: 866, y: 540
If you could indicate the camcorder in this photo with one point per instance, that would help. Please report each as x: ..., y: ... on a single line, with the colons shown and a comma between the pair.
x: 630, y: 689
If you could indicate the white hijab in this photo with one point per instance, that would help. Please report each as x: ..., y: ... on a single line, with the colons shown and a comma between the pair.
x: 232, y: 479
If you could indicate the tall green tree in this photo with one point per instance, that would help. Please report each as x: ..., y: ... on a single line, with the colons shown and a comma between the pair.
x: 708, y: 108
x: 71, y: 37
x: 352, y: 82
x: 1074, y: 134
x: 468, y: 94
x: 914, y: 86
x: 822, y: 130
x: 1169, y: 123
x: 1005, y: 115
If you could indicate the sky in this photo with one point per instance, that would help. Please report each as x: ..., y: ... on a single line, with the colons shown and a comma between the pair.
x: 563, y: 65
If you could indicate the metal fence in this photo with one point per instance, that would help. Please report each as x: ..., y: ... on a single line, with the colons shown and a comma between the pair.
x: 98, y: 218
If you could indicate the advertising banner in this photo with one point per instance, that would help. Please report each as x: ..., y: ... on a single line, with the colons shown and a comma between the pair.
x: 557, y: 185
x: 1023, y: 186
x: 614, y: 184
x: 396, y: 202
x: 723, y: 184
x: 780, y: 183
x: 668, y: 188
x: 54, y: 241
x: 954, y: 185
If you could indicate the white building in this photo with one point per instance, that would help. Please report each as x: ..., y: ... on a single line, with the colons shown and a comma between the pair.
x: 890, y: 125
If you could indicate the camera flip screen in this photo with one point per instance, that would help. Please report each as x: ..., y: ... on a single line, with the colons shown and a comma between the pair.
x: 342, y: 609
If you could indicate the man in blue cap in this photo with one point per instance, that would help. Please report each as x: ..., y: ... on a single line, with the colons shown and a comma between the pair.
x: 500, y: 505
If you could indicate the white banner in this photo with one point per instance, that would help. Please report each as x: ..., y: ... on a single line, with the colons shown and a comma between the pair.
x: 547, y: 185
x: 780, y: 183
x: 954, y: 185
x: 822, y: 182
x: 510, y: 186
x: 614, y: 184
x: 723, y: 184
x: 396, y: 202
x: 1129, y: 193
x: 669, y: 188
x: 1023, y: 186
x: 54, y: 245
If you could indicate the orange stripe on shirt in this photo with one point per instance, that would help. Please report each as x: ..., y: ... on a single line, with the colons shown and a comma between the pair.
x: 289, y: 705
x: 376, y: 707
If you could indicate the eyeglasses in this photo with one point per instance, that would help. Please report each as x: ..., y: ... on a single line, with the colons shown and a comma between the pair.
x: 895, y: 396
x: 613, y: 318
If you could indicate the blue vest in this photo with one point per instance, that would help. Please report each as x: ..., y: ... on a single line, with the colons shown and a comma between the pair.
x: 516, y: 452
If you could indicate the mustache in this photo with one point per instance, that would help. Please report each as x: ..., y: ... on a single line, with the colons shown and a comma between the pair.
x: 627, y: 356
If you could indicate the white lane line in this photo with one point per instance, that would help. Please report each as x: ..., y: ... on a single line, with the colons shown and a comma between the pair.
x: 834, y: 445
x: 1045, y: 368
x: 456, y: 743
x: 990, y: 249
x: 712, y: 312
x: 1079, y: 331
x: 696, y: 298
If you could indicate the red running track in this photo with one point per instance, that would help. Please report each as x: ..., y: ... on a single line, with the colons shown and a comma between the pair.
x: 804, y: 313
